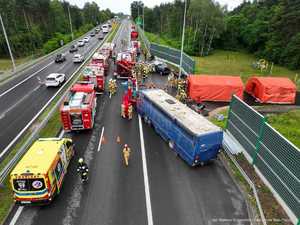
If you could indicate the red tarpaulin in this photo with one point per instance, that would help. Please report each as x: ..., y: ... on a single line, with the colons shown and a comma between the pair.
x: 214, y: 88
x: 272, y: 89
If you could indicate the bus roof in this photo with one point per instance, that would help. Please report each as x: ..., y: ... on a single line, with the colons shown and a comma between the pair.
x: 188, y: 118
x: 39, y: 157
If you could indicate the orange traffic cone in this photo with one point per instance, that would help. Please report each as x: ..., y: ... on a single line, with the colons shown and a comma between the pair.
x: 103, y: 141
x: 118, y: 139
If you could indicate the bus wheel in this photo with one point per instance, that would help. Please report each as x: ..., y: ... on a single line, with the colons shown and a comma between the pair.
x: 171, y: 144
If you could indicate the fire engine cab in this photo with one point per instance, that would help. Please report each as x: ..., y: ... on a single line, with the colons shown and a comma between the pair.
x: 100, y: 60
x: 79, y: 108
x: 95, y: 75
x: 124, y: 64
x: 107, y: 49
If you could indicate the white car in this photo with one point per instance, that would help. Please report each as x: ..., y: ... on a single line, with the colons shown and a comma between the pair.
x: 55, y: 79
x: 77, y: 58
x: 81, y: 43
x: 105, y: 28
x: 86, y: 39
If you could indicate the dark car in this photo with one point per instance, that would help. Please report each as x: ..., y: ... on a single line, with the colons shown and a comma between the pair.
x: 60, y: 58
x: 92, y: 34
x: 162, y: 68
x: 101, y: 36
x: 73, y: 48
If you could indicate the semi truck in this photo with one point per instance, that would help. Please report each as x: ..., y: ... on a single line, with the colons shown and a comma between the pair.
x: 79, y: 107
x: 195, y: 139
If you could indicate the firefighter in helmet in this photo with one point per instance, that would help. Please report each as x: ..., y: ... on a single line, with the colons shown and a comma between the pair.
x: 130, y: 111
x: 123, y: 111
x: 112, y: 85
x: 126, y: 154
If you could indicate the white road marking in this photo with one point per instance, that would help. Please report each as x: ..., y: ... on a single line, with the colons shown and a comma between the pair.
x: 10, y: 89
x: 2, y: 115
x: 145, y: 172
x: 100, y: 141
x: 62, y: 66
x: 17, y: 215
x: 62, y: 133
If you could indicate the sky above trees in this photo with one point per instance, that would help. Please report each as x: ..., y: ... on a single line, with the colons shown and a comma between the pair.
x: 124, y: 5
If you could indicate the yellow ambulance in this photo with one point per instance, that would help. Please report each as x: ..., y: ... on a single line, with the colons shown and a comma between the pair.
x: 39, y: 175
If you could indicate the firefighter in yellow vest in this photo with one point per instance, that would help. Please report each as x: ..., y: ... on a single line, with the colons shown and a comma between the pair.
x: 112, y: 86
x: 126, y: 154
x: 130, y: 111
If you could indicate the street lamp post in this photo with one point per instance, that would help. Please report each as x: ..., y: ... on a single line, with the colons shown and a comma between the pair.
x: 143, y: 18
x: 70, y: 20
x: 8, y: 46
x: 182, y: 40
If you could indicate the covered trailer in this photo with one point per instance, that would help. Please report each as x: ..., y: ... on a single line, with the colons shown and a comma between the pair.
x: 214, y: 88
x: 189, y: 134
x: 280, y: 90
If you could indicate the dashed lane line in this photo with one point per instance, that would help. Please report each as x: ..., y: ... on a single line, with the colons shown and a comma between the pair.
x: 17, y: 215
x: 100, y: 141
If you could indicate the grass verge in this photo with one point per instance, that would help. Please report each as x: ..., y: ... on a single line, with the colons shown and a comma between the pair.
x: 51, y: 129
x: 5, y: 64
x: 115, y: 28
x: 233, y: 63
x: 287, y: 124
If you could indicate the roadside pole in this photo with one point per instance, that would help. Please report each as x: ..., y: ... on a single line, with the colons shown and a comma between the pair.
x: 70, y: 20
x: 182, y: 40
x: 143, y: 18
x: 8, y: 46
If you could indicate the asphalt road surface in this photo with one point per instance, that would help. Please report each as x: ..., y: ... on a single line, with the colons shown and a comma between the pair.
x: 20, y: 101
x: 117, y: 195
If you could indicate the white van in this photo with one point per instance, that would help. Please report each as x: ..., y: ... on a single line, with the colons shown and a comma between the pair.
x: 105, y: 28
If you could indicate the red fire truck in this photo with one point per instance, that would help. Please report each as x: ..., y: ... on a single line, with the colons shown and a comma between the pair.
x: 79, y: 108
x: 100, y: 60
x: 107, y: 49
x: 125, y: 63
x: 95, y: 74
x: 134, y: 35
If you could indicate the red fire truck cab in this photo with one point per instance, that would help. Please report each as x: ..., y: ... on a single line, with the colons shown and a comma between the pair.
x: 107, y: 49
x: 79, y: 108
x: 101, y: 61
x: 124, y: 64
x: 134, y: 35
x: 95, y: 74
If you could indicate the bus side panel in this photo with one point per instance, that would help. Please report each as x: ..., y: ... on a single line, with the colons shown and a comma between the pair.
x: 168, y: 130
x: 208, y: 146
x: 184, y: 143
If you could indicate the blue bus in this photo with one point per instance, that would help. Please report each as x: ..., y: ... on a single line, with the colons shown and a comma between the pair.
x: 195, y: 139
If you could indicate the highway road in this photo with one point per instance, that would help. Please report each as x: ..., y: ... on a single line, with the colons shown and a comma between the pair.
x: 157, y: 188
x: 23, y: 97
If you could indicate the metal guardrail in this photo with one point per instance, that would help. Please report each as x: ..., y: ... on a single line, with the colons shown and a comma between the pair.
x: 35, y: 133
x: 170, y: 55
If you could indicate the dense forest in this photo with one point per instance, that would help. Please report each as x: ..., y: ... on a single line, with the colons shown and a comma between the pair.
x: 38, y: 25
x: 268, y: 28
